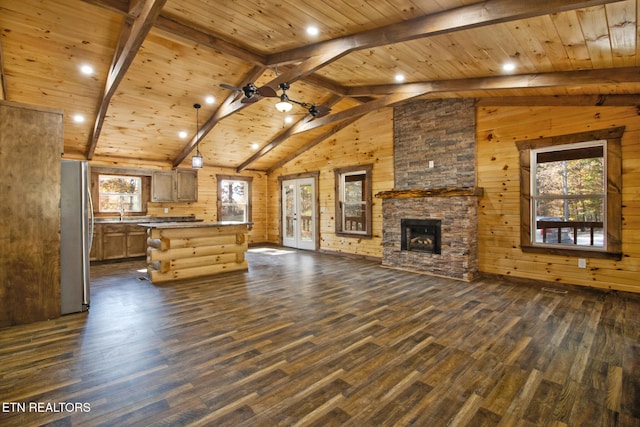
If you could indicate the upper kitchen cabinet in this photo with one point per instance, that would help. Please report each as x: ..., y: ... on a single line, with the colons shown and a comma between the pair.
x: 187, y: 185
x: 178, y: 185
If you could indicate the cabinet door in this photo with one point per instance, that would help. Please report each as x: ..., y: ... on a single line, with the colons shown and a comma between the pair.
x: 162, y: 186
x: 114, y: 241
x: 136, y: 241
x: 187, y: 185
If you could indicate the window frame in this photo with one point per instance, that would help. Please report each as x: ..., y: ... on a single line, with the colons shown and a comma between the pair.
x: 248, y: 180
x: 613, y: 209
x: 140, y: 193
x: 340, y: 174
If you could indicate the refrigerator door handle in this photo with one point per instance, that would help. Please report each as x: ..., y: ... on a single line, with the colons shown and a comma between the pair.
x: 91, y: 219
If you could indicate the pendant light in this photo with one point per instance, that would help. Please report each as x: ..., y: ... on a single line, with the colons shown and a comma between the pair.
x: 196, y: 161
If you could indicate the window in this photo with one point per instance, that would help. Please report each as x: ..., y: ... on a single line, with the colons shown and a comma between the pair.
x: 571, y: 194
x: 119, y: 193
x: 568, y: 195
x: 353, y: 200
x: 234, y: 198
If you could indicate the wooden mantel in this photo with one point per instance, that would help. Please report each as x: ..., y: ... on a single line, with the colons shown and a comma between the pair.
x: 434, y: 192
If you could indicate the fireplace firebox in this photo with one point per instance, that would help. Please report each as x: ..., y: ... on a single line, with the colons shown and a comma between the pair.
x: 420, y: 235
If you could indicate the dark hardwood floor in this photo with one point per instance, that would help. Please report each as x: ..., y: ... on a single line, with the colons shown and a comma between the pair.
x: 313, y: 339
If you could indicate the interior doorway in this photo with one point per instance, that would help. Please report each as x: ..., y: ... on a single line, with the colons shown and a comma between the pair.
x: 299, y: 213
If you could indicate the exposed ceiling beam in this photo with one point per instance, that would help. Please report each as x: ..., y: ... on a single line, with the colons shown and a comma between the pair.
x: 465, y: 17
x: 315, y: 141
x: 221, y: 112
x: 319, y: 55
x: 283, y: 136
x: 134, y: 35
x: 184, y: 30
x: 562, y: 101
x: 406, y: 92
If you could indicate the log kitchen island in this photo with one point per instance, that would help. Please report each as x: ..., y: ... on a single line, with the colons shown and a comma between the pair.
x: 183, y: 250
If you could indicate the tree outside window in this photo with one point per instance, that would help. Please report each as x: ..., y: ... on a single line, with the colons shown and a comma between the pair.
x: 119, y: 193
x: 569, y: 187
x: 234, y: 198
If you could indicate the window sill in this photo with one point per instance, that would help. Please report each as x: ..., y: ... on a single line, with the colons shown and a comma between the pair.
x: 581, y: 253
x: 354, y: 235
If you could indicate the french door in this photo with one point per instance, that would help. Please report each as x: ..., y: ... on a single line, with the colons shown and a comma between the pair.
x: 299, y: 213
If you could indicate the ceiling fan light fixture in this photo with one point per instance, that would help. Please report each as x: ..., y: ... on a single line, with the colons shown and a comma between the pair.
x: 283, y: 106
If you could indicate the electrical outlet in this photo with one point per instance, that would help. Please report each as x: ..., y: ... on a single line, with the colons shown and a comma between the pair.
x: 582, y: 263
x: 166, y: 210
x: 431, y: 164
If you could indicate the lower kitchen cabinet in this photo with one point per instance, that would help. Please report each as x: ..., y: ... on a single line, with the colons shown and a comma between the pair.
x: 136, y: 241
x: 118, y: 241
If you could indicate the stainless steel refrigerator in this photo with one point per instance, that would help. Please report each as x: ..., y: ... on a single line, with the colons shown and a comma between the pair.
x: 76, y: 232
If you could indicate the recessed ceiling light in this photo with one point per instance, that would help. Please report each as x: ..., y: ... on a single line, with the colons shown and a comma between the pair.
x: 288, y: 119
x: 78, y: 118
x: 209, y: 99
x: 312, y: 31
x: 255, y: 146
x: 509, y: 66
x: 86, y: 69
x: 183, y: 134
x: 399, y: 78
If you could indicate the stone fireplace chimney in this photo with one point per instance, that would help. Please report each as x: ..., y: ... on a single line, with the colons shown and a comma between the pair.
x: 435, y: 180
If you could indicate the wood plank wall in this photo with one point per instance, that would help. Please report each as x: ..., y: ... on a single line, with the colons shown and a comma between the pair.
x: 367, y: 141
x: 497, y: 157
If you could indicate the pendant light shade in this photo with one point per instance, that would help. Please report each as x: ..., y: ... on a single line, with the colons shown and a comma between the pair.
x: 196, y: 160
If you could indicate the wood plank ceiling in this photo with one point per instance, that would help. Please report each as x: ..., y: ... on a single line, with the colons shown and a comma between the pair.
x: 153, y: 59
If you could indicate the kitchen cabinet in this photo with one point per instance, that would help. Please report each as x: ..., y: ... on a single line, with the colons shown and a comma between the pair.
x: 114, y: 241
x: 118, y: 241
x: 178, y: 185
x: 136, y: 241
x: 187, y: 185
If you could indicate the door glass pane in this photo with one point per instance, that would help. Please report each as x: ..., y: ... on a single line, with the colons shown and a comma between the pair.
x: 306, y: 212
x: 289, y: 210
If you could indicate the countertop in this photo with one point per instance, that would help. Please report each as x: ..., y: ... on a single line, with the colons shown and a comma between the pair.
x: 146, y: 219
x: 191, y: 224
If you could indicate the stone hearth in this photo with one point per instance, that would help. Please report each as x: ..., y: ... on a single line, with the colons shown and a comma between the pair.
x: 441, y: 131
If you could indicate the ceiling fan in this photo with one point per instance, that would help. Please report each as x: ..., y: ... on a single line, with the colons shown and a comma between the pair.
x: 252, y: 93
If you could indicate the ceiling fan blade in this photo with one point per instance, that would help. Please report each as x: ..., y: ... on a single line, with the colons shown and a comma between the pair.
x: 319, y: 110
x: 250, y: 100
x: 233, y: 88
x: 267, y: 91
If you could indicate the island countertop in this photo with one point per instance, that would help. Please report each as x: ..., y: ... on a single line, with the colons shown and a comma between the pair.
x: 192, y: 224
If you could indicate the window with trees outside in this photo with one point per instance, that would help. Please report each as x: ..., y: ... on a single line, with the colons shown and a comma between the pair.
x: 119, y: 193
x: 234, y: 198
x: 572, y: 198
x: 353, y: 200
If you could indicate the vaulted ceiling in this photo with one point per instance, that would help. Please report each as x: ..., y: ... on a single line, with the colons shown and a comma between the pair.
x: 153, y: 60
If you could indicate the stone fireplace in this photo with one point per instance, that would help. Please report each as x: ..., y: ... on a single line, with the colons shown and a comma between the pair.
x: 434, y: 167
